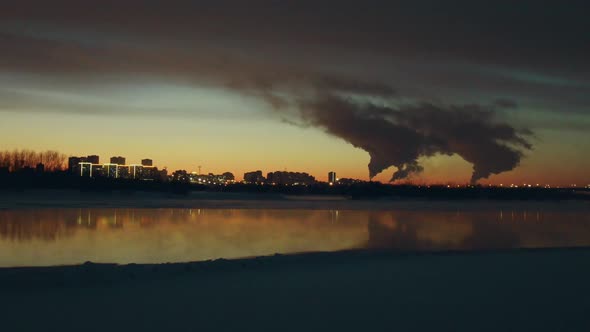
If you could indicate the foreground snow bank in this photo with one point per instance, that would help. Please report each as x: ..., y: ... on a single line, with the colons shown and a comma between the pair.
x: 525, y: 290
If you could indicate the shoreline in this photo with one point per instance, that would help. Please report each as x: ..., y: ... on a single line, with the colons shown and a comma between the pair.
x: 47, y: 199
x: 90, y: 274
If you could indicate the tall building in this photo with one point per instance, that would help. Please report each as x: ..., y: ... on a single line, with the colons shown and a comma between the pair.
x: 110, y: 170
x: 118, y: 160
x: 73, y: 164
x: 93, y: 159
x: 332, y: 177
x: 149, y: 173
x: 89, y: 169
x: 135, y: 171
x: 96, y: 171
x: 147, y: 162
x: 85, y: 169
x: 123, y: 172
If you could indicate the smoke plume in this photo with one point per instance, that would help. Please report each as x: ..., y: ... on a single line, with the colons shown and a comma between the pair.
x: 399, y: 135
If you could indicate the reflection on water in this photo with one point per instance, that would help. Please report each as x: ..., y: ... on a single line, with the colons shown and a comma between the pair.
x: 69, y: 236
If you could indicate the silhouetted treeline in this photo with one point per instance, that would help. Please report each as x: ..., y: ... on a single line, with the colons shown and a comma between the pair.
x: 17, y: 160
x: 65, y: 180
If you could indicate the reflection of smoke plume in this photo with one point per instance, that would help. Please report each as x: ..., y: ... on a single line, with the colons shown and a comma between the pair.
x: 399, y: 135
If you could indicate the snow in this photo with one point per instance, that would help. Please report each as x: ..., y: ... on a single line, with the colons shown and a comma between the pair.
x: 524, y: 290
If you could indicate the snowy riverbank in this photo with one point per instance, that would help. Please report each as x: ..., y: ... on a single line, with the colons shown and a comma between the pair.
x: 523, y: 290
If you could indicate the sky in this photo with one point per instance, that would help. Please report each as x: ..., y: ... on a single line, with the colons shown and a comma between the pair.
x: 424, y: 91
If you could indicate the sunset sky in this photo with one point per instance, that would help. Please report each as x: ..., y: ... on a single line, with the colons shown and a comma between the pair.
x: 447, y: 91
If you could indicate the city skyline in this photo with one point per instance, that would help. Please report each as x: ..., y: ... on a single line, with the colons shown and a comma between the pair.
x: 74, y: 165
x: 383, y: 98
x: 325, y: 176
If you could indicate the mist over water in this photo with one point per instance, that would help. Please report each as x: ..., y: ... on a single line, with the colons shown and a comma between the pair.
x: 46, y: 237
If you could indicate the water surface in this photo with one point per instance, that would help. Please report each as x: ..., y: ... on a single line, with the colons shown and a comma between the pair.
x: 42, y: 237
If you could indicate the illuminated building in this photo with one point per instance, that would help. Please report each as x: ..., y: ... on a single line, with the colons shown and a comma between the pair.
x: 110, y: 170
x: 135, y: 171
x: 205, y: 179
x: 332, y: 177
x: 85, y: 169
x: 147, y: 162
x: 96, y: 170
x: 118, y: 160
x: 149, y: 173
x: 74, y: 163
x: 123, y: 172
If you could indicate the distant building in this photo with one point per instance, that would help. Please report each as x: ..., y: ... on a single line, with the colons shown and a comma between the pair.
x: 254, y: 177
x: 150, y: 173
x: 92, y: 159
x: 84, y: 169
x: 290, y: 178
x: 209, y: 179
x: 147, y: 162
x: 118, y: 160
x: 96, y: 171
x: 332, y: 177
x: 110, y: 170
x: 135, y: 171
x: 346, y: 181
x: 123, y: 172
x: 73, y: 164
x: 181, y: 176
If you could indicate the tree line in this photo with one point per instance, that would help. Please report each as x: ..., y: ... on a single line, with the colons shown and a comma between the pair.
x: 17, y: 159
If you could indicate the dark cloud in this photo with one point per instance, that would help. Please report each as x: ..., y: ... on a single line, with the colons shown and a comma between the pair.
x: 527, y: 32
